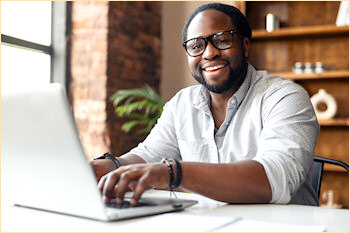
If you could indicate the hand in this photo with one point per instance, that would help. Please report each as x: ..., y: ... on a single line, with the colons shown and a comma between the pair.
x: 102, y: 167
x: 135, y: 177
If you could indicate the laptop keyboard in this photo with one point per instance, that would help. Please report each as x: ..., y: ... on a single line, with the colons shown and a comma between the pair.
x: 126, y: 204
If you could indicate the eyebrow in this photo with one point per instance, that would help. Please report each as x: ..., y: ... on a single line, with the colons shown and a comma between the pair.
x: 190, y: 38
x: 232, y: 29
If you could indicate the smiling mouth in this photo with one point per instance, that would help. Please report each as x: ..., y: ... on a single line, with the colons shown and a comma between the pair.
x: 214, y: 68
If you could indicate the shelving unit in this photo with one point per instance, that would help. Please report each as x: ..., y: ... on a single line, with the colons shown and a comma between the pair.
x: 308, y: 34
x: 336, y: 74
x: 334, y: 122
x: 294, y: 32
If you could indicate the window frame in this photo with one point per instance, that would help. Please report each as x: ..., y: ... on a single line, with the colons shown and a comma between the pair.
x: 60, y: 27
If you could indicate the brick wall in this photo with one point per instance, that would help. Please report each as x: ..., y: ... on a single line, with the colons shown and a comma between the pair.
x: 115, y: 45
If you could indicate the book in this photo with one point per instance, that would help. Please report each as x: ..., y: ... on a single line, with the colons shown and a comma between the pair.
x: 343, y: 14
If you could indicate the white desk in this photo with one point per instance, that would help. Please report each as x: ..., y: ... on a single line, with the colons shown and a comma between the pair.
x: 24, y: 219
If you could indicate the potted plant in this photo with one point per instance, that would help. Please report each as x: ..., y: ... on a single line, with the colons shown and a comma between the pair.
x: 141, y: 106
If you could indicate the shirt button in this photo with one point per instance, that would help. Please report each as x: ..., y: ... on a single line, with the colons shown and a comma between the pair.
x: 233, y: 101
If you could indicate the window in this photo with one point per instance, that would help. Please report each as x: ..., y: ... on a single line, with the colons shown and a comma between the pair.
x: 33, y: 43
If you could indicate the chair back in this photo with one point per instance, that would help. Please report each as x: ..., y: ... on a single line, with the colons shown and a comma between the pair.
x: 318, y: 170
x: 317, y: 177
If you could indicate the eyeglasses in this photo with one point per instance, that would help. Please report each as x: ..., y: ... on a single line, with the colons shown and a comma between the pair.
x: 220, y: 40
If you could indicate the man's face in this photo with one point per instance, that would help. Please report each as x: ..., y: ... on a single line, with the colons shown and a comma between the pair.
x: 218, y: 70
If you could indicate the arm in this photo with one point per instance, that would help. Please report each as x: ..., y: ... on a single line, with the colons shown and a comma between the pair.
x: 239, y: 182
x: 287, y: 143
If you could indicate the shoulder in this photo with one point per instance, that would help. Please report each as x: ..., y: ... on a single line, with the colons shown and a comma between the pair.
x: 268, y: 85
x: 188, y: 91
x: 186, y: 95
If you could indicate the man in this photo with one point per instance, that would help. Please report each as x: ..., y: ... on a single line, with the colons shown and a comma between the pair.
x: 242, y: 136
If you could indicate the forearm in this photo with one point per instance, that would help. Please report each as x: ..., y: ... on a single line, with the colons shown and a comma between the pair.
x: 239, y: 182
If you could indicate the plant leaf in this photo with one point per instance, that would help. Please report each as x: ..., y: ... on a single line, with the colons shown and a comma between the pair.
x: 142, y: 106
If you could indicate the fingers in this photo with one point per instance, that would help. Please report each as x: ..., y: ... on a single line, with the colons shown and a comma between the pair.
x: 132, y: 186
x: 155, y: 176
x: 141, y: 187
x: 116, y: 183
x: 136, y: 177
x: 126, y: 178
x: 100, y: 186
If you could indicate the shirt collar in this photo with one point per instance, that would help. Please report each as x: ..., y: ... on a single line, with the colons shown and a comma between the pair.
x: 238, y: 96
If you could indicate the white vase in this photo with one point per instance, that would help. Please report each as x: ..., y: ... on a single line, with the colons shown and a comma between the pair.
x: 323, y: 97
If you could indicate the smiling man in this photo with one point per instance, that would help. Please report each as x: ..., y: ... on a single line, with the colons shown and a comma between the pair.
x: 241, y: 136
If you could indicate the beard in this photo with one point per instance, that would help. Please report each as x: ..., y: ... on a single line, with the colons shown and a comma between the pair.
x: 234, y: 79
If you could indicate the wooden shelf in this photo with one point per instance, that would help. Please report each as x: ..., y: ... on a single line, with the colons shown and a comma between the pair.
x: 336, y: 74
x: 305, y: 31
x: 334, y: 122
x: 277, y: 51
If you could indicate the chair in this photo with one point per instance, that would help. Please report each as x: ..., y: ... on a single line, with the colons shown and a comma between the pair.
x: 318, y: 170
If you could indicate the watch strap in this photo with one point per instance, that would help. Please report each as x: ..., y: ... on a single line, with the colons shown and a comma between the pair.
x: 109, y: 156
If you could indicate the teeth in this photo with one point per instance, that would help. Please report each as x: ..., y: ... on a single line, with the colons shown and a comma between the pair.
x: 214, y: 68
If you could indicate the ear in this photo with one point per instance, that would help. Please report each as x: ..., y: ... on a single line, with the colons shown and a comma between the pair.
x: 246, y: 46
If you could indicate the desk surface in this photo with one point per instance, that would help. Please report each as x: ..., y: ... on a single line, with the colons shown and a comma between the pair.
x: 15, y: 218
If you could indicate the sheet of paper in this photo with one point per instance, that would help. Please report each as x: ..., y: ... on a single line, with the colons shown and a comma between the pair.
x: 177, y: 222
x: 246, y: 225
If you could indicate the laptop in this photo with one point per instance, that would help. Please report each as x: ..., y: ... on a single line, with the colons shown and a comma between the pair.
x: 43, y: 164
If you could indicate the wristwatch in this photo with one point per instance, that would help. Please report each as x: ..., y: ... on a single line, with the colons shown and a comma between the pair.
x: 109, y: 156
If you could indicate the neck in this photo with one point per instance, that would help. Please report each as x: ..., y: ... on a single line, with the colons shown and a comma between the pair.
x: 218, y: 105
x: 219, y: 102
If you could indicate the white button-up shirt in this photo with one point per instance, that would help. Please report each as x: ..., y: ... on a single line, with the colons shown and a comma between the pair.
x: 268, y: 119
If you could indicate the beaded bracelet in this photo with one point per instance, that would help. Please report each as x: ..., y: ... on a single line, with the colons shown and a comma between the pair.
x: 171, y: 172
x: 178, y: 174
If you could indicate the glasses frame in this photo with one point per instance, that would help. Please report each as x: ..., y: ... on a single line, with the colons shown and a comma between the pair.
x: 209, y: 38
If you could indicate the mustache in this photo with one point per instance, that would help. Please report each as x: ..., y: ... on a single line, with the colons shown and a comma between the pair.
x: 233, y: 81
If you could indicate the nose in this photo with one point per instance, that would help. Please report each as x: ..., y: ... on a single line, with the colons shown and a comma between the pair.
x: 210, y: 52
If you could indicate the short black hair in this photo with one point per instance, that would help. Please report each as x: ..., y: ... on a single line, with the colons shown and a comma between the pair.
x: 238, y: 19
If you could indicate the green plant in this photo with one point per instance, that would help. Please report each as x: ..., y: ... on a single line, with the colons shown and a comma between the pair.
x: 142, y: 106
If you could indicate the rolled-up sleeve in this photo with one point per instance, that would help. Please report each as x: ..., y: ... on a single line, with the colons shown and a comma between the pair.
x: 161, y: 142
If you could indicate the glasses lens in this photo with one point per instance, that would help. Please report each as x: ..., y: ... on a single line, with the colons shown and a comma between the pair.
x: 223, y: 41
x: 195, y: 46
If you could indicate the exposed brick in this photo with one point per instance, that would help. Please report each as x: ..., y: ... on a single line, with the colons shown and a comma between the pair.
x: 115, y: 45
